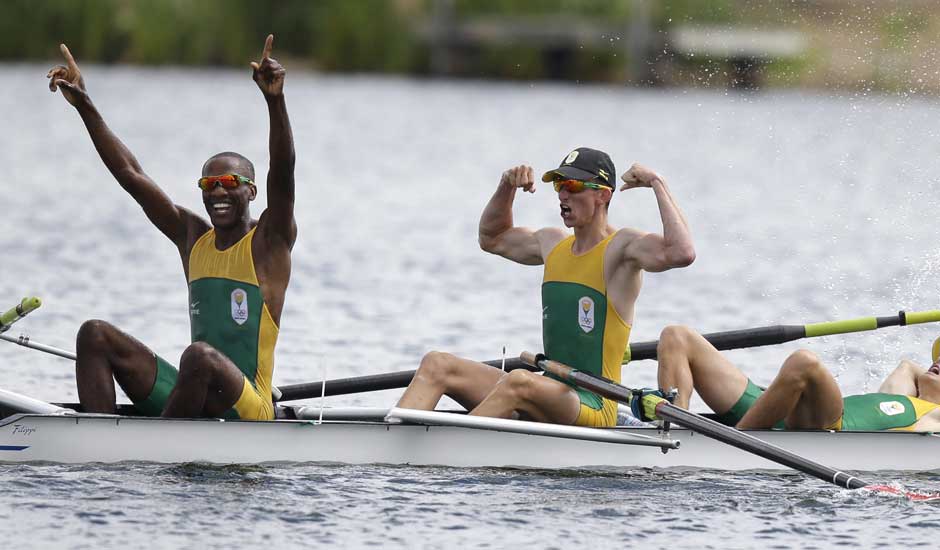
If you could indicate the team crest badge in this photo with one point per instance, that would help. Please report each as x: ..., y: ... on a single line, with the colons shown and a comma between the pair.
x: 571, y: 157
x: 239, y: 306
x: 586, y: 314
x: 891, y: 408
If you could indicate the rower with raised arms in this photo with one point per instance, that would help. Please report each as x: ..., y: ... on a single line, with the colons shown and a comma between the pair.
x: 591, y: 282
x: 237, y: 268
x: 804, y: 394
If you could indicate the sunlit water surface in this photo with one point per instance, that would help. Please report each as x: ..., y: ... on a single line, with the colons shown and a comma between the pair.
x: 804, y: 207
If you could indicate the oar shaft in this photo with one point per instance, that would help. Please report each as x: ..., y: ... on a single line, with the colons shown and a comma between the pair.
x: 372, y: 382
x: 780, y: 334
x: 705, y: 426
x: 747, y: 442
x: 731, y: 339
x: 25, y: 342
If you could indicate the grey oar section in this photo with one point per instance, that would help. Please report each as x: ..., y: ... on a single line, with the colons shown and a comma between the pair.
x: 397, y: 415
x: 25, y: 342
x: 707, y: 427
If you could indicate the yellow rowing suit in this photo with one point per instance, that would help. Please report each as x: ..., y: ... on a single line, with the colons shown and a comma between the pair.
x: 227, y: 311
x: 580, y: 327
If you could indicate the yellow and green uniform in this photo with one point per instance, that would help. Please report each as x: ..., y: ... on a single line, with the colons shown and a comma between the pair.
x: 228, y: 312
x: 580, y: 327
x: 860, y: 413
x: 881, y: 411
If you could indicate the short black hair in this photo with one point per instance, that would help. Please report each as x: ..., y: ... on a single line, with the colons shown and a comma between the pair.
x: 243, y: 163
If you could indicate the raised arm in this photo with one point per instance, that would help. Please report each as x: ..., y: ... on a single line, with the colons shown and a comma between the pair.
x: 169, y: 218
x: 499, y: 236
x: 674, y: 247
x: 902, y: 380
x: 279, y: 219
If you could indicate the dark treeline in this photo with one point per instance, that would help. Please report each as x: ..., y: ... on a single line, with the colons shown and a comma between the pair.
x: 339, y: 35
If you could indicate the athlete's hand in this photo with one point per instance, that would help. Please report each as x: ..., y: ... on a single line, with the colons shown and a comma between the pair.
x: 521, y: 176
x: 638, y: 176
x: 68, y: 79
x: 269, y: 74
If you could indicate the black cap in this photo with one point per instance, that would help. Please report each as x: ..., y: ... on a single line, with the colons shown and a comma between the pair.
x: 586, y: 165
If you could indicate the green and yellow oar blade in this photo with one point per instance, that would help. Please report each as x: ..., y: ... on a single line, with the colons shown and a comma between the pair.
x: 17, y: 312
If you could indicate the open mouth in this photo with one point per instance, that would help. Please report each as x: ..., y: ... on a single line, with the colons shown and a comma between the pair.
x: 565, y: 211
x: 934, y: 369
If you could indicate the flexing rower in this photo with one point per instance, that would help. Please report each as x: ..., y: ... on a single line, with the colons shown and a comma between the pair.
x: 237, y: 268
x: 590, y: 285
x: 804, y: 395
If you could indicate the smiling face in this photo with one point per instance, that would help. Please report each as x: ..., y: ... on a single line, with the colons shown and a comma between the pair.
x: 228, y: 207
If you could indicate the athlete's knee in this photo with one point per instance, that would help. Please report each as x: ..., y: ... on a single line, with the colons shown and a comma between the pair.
x: 801, y: 367
x: 94, y: 335
x: 520, y: 383
x: 436, y: 367
x: 199, y: 359
x: 674, y: 338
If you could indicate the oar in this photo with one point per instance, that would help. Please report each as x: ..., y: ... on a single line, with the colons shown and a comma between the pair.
x: 732, y: 339
x: 779, y: 334
x: 27, y: 343
x: 705, y: 426
x: 371, y: 382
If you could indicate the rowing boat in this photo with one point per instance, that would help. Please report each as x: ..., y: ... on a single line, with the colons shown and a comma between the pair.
x: 54, y: 433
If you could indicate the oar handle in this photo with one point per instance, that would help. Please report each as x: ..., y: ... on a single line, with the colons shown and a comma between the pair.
x: 17, y: 312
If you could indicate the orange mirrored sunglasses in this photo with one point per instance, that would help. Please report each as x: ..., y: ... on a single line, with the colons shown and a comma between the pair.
x: 576, y: 186
x: 228, y: 181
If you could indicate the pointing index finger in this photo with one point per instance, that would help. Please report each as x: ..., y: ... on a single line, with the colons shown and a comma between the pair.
x: 268, y: 46
x: 73, y: 66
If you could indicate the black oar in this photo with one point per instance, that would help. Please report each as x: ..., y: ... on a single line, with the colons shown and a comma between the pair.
x: 779, y: 334
x: 371, y: 382
x: 732, y: 339
x: 709, y: 428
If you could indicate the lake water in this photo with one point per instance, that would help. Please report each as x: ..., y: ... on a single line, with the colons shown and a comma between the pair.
x: 804, y: 207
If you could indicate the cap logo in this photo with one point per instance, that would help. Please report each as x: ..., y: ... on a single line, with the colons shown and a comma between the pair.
x: 571, y: 157
x: 602, y: 174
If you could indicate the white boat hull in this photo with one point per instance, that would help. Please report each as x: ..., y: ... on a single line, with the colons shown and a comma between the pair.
x: 108, y: 439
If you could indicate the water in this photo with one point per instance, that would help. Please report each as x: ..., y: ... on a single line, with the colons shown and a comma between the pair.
x: 804, y: 207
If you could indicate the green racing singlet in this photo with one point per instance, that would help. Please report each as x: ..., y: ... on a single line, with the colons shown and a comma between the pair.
x: 580, y: 327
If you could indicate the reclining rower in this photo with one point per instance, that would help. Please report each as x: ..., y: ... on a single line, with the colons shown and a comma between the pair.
x: 804, y: 394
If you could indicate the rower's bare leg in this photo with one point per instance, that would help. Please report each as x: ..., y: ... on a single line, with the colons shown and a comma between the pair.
x: 534, y: 396
x: 466, y: 382
x: 687, y: 361
x: 209, y: 384
x: 804, y: 394
x: 105, y: 354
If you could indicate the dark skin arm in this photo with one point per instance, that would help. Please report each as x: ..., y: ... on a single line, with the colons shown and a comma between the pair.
x: 173, y: 221
x: 277, y: 228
